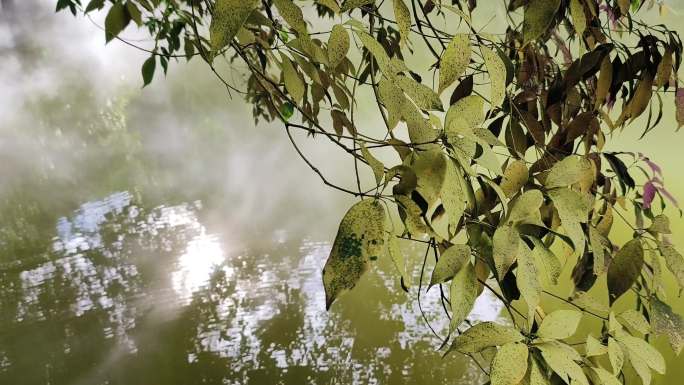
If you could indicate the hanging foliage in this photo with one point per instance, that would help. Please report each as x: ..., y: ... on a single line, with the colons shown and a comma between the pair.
x: 505, y: 179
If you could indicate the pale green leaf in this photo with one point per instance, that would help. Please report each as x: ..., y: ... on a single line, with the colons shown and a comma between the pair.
x: 528, y: 279
x: 579, y: 19
x: 360, y: 238
x: 667, y: 323
x: 413, y: 222
x: 525, y: 208
x: 594, y: 347
x: 424, y: 97
x: 549, y: 265
x: 660, y: 224
x: 562, y: 358
x: 377, y: 51
x: 377, y: 166
x: 464, y: 115
x: 674, y: 261
x: 453, y: 196
x: 463, y: 292
x: 338, y: 45
x: 450, y: 263
x: 348, y: 5
x: 485, y: 335
x: 497, y: 76
x: 509, y: 365
x: 394, y: 100
x: 454, y: 60
x: 639, y: 349
x: 634, y: 320
x: 515, y: 177
x: 294, y: 84
x: 430, y: 168
x: 536, y: 375
x: 505, y: 248
x: 625, y: 268
x: 228, y: 17
x: 568, y: 171
x: 292, y: 14
x: 397, y: 254
x: 572, y: 205
x: 598, y: 246
x: 403, y: 19
x: 615, y: 355
x: 538, y: 17
x: 604, y: 377
x: 560, y: 324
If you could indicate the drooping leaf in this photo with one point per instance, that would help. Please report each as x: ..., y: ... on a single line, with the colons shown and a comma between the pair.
x: 594, y: 347
x: 338, y: 45
x: 604, y: 377
x: 674, y: 261
x: 634, y: 320
x: 294, y: 84
x: 454, y: 60
x: 485, y: 335
x: 464, y: 115
x: 376, y: 165
x: 450, y: 263
x: 579, y: 19
x: 625, y: 268
x: 424, y: 97
x: 452, y: 194
x: 497, y: 76
x: 562, y: 359
x: 598, y: 245
x: 660, y: 224
x: 430, y: 168
x: 679, y: 107
x: 397, y: 255
x: 228, y: 17
x: 505, y: 248
x: 393, y: 99
x: 509, y: 365
x: 525, y: 208
x: 148, y: 70
x: 536, y: 375
x: 292, y: 14
x: 528, y: 279
x: 664, y: 69
x: 348, y: 5
x: 605, y: 80
x: 514, y: 178
x: 639, y: 349
x: 539, y: 15
x: 615, y: 355
x: 568, y: 171
x: 560, y: 324
x: 360, y: 238
x: 549, y: 265
x: 572, y: 206
x: 116, y: 21
x: 667, y: 323
x: 402, y: 15
x: 463, y: 292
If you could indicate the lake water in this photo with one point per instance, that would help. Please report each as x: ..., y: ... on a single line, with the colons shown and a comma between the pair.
x: 158, y: 236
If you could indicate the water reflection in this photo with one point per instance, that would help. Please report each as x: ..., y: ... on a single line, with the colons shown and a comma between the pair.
x: 130, y: 295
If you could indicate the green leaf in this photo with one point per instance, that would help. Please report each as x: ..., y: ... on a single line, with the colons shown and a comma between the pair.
x: 674, y: 261
x: 549, y: 265
x: 667, y: 323
x: 509, y: 365
x: 497, y: 76
x: 450, y: 263
x: 640, y: 350
x: 286, y: 111
x: 625, y: 268
x: 454, y: 60
x: 360, y: 238
x: 537, y: 375
x: 338, y: 45
x: 661, y: 225
x: 148, y: 70
x: 293, y: 15
x: 294, y: 84
x: 515, y: 177
x: 348, y: 5
x: 116, y: 21
x: 560, y: 324
x: 424, y: 97
x: 134, y: 13
x: 562, y: 358
x: 525, y: 208
x: 228, y: 17
x: 568, y: 171
x: 452, y: 194
x: 330, y: 4
x: 430, y: 168
x: 572, y: 206
x: 403, y: 19
x: 634, y: 320
x: 377, y: 166
x: 615, y: 355
x: 528, y: 279
x: 464, y: 115
x: 594, y: 347
x: 394, y: 100
x: 579, y: 19
x: 485, y: 335
x: 397, y: 255
x: 538, y: 17
x: 463, y: 292
x: 604, y: 377
x: 94, y: 4
x: 598, y: 245
x: 505, y: 248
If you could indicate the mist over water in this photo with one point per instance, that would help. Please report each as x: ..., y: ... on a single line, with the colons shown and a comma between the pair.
x: 159, y: 236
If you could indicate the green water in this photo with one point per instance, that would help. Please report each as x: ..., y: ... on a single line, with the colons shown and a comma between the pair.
x: 158, y: 236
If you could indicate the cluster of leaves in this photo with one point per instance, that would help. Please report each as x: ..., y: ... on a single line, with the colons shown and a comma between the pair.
x: 506, y: 185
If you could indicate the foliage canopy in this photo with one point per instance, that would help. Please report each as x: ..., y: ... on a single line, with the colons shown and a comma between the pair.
x: 499, y: 167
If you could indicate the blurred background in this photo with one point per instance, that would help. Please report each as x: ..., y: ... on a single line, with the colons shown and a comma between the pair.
x: 159, y: 236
